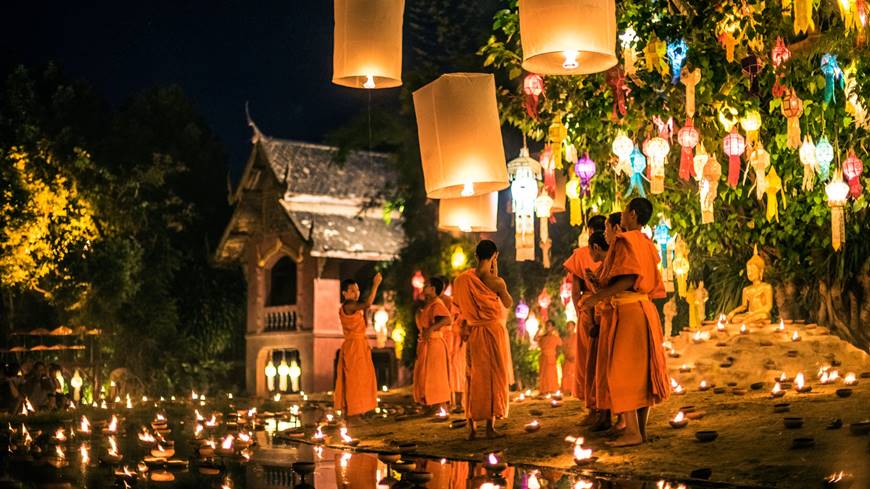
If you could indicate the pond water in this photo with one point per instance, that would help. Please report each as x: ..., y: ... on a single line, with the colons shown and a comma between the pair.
x: 37, y: 455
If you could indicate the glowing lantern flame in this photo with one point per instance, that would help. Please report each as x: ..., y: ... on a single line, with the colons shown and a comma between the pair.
x: 345, y: 458
x: 776, y: 388
x: 795, y: 336
x: 799, y: 381
x: 160, y: 417
x: 581, y: 453
x: 113, y: 425
x: 86, y: 458
x: 583, y: 484
x: 227, y: 443
x: 850, y: 379
x: 146, y: 437
x: 85, y: 425
x: 198, y: 416
x: 783, y: 377
x: 59, y: 453
x: 442, y: 413
x: 318, y: 435
x: 59, y: 435
x: 211, y: 423
x: 703, y: 384
x: 344, y: 436
x: 491, y: 459
x: 113, y: 447
x: 679, y: 417
x: 781, y: 326
x: 743, y: 329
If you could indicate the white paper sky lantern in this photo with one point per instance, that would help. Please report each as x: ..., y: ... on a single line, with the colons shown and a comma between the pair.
x: 368, y: 43
x: 468, y: 214
x: 460, y: 136
x: 568, y: 37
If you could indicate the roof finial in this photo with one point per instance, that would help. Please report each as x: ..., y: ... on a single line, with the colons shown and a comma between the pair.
x: 257, y: 134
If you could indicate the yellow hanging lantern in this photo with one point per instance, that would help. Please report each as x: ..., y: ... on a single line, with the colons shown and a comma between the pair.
x: 460, y: 136
x: 572, y: 191
x: 690, y: 79
x: 629, y: 57
x: 681, y: 267
x: 568, y: 37
x: 807, y: 155
x: 654, y: 55
x: 692, y: 300
x: 368, y: 43
x: 803, y: 16
x: 837, y: 191
x: 557, y: 133
x: 709, y: 188
x: 772, y: 186
x: 468, y: 214
x: 751, y: 123
x: 458, y: 260
x: 727, y: 116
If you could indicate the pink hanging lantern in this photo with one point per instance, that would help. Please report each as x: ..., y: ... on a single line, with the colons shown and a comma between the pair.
x: 565, y: 289
x: 418, y: 281
x: 585, y: 170
x: 852, y: 170
x: 522, y: 313
x: 734, y: 146
x: 688, y: 138
x: 544, y: 301
x: 548, y: 165
x: 533, y: 88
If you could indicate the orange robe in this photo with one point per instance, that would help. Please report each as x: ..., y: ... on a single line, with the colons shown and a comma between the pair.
x: 455, y: 348
x: 569, y: 365
x: 359, y: 471
x: 578, y: 263
x: 356, y: 388
x: 431, y: 370
x: 548, y: 377
x: 637, y: 374
x: 488, y: 349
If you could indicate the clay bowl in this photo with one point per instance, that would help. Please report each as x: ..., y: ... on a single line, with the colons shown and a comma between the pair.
x: 585, y: 461
x: 756, y: 386
x: 706, y: 436
x: 860, y: 428
x: 783, y: 407
x: 731, y: 384
x: 536, y: 412
x: 418, y: 477
x: 695, y: 415
x: 719, y: 390
x: 389, y: 458
x: 458, y: 423
x: 679, y: 424
x: 303, y: 468
x: 687, y: 409
x: 793, y: 423
x: 405, y: 448
x: 738, y: 391
x: 844, y: 392
x: 792, y: 354
x: 864, y: 375
x: 835, y: 424
x: 404, y: 467
x: 531, y: 428
x: 703, y: 474
x: 801, y: 443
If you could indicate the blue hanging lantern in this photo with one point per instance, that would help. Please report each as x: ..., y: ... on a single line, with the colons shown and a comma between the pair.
x: 638, y: 165
x: 662, y: 235
x: 833, y: 77
x: 677, y: 52
x: 824, y: 157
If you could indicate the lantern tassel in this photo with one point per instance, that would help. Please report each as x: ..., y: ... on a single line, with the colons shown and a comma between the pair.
x: 687, y: 163
x: 636, y: 184
x: 794, y: 132
x: 838, y: 227
x: 733, y: 170
x: 576, y: 213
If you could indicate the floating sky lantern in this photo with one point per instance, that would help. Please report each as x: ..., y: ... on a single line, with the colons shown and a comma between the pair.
x: 469, y: 214
x: 688, y: 138
x: 852, y: 170
x: 638, y: 165
x: 837, y: 191
x: 734, y: 145
x: 792, y: 108
x: 460, y: 136
x: 677, y: 52
x: 656, y: 151
x: 368, y: 43
x: 567, y: 37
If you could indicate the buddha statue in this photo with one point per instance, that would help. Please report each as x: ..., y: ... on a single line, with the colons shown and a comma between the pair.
x: 757, y: 298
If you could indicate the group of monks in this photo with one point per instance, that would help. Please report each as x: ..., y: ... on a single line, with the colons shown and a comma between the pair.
x: 615, y: 361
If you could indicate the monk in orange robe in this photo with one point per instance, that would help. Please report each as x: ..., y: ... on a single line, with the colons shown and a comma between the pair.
x: 482, y: 296
x: 356, y: 388
x: 456, y: 349
x: 637, y: 375
x: 569, y: 363
x: 549, y: 341
x: 432, y: 370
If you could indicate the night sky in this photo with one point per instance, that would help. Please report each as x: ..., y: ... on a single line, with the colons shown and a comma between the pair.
x: 274, y: 54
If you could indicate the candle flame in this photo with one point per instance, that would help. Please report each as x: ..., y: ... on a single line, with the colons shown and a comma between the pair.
x: 160, y: 417
x: 581, y: 453
x: 467, y: 189
x: 679, y: 417
x: 799, y: 381
x: 244, y: 437
x: 113, y: 446
x: 442, y: 413
x: 227, y: 443
x: 145, y: 436
x: 492, y: 459
x: 198, y: 416
x: 783, y: 377
x: 211, y: 423
x: 837, y: 476
x: 85, y: 425
x: 703, y: 384
x: 129, y: 402
x: 795, y: 336
x: 570, y: 62
x: 532, y: 482
x: 113, y: 424
x: 582, y: 484
x: 318, y: 434
x: 59, y: 435
x: 781, y: 325
x: 86, y: 458
x: 743, y: 329
x: 345, y: 458
x: 59, y: 453
x: 369, y: 83
x: 850, y: 379
x: 776, y: 388
x: 127, y: 472
x: 344, y: 436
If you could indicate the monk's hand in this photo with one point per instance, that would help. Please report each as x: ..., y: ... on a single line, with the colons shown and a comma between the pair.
x: 494, y: 267
x: 376, y: 280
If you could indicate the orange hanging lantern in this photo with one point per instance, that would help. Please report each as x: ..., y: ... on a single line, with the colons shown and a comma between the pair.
x: 656, y: 150
x: 468, y: 214
x: 688, y: 138
x: 368, y: 43
x: 734, y: 145
x: 460, y: 136
x: 792, y: 108
x: 568, y: 37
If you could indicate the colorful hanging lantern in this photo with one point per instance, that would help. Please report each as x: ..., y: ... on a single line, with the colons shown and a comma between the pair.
x: 622, y: 147
x: 852, y: 170
x: 654, y: 53
x: 615, y: 79
x: 627, y: 40
x: 460, y: 136
x: 734, y: 146
x: 418, y: 282
x: 690, y: 79
x: 803, y: 16
x: 833, y: 76
x: 727, y: 117
x: 837, y: 191
x: 709, y: 187
x: 638, y: 165
x: 368, y: 43
x: 585, y: 170
x: 681, y: 267
x: 572, y: 191
x: 677, y: 52
x: 688, y: 138
x: 548, y: 168
x: 525, y: 173
x: 557, y: 133
x: 751, y: 66
x: 543, y: 206
x: 751, y: 123
x: 567, y: 37
x: 792, y: 108
x: 656, y: 150
x: 662, y: 235
x: 468, y: 214
x: 807, y: 155
x: 533, y: 88
x: 522, y: 313
x: 699, y: 161
x: 544, y: 301
x: 759, y: 160
x: 565, y: 289
x: 772, y: 186
x: 779, y: 55
x: 824, y: 157
x: 571, y: 154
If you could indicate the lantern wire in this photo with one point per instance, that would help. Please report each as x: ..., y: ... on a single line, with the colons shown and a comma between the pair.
x: 371, y: 160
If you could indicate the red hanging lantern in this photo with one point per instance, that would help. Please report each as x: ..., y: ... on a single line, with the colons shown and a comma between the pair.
x: 544, y: 301
x: 688, y: 138
x: 533, y: 88
x: 734, y: 146
x: 852, y: 170
x: 418, y: 281
x: 565, y: 289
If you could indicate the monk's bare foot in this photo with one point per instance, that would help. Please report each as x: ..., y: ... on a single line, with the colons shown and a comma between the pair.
x: 602, y: 424
x: 590, y: 419
x: 472, y: 431
x: 491, y: 433
x: 626, y: 440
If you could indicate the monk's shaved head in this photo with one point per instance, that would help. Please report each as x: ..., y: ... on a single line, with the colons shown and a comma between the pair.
x: 642, y: 208
x: 596, y: 223
x: 485, y: 249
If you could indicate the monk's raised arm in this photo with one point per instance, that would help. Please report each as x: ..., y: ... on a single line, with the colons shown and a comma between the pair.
x: 353, y: 307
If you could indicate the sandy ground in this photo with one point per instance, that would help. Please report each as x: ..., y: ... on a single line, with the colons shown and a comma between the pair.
x: 753, y: 447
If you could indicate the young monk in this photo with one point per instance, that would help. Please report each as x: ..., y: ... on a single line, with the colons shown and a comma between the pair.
x: 482, y: 296
x: 549, y: 341
x: 637, y: 375
x: 356, y: 388
x: 431, y: 370
x: 456, y: 351
x: 578, y: 265
x: 599, y: 417
x: 569, y: 363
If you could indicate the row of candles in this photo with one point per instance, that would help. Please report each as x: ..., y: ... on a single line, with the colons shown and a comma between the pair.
x: 721, y: 327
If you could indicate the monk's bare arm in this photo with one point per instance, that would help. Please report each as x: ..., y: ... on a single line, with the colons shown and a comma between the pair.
x: 576, y: 288
x: 353, y: 307
x: 620, y: 284
x: 497, y: 285
x: 440, y: 322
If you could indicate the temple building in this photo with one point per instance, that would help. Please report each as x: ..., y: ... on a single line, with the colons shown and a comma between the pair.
x: 301, y: 223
